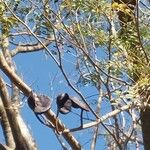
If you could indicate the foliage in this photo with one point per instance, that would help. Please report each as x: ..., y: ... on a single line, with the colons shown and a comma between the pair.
x: 108, y: 55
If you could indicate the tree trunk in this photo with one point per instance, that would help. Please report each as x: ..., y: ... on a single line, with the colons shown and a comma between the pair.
x: 145, y: 121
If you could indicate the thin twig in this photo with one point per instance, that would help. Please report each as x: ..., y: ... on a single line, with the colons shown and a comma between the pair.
x: 69, y: 83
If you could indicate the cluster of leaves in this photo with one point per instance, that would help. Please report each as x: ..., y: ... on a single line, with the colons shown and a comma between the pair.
x: 7, y: 21
x: 121, y: 7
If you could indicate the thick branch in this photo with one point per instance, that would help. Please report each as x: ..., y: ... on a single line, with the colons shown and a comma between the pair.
x: 13, y: 76
x: 31, y: 48
x: 6, y: 127
x: 20, y: 132
x: 4, y: 147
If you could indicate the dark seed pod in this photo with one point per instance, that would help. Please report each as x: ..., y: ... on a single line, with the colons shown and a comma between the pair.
x: 15, y: 7
x: 76, y: 103
x: 63, y: 103
x: 66, y: 108
x: 39, y: 103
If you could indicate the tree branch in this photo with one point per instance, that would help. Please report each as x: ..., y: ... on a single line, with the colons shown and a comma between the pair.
x: 103, y: 118
x: 6, y: 127
x: 31, y: 48
x: 22, y: 137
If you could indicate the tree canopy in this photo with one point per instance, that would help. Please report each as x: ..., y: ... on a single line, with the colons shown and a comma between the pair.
x: 97, y: 51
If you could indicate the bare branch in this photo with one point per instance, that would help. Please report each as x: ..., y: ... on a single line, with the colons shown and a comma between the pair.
x: 103, y: 118
x: 6, y: 127
x: 34, y: 48
x: 96, y: 129
x: 4, y: 147
x: 22, y: 137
